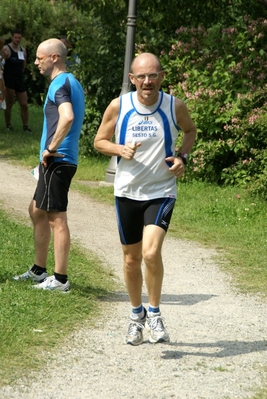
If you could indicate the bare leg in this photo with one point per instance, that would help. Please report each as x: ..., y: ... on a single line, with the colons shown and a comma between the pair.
x: 10, y: 96
x: 152, y: 246
x: 133, y: 278
x: 42, y: 234
x: 23, y: 102
x: 59, y: 225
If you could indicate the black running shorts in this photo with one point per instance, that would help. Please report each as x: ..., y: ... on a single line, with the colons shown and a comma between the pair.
x: 15, y: 83
x: 133, y: 215
x: 53, y: 185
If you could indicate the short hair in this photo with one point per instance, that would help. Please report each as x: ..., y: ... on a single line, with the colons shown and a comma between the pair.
x: 66, y: 41
x: 14, y: 31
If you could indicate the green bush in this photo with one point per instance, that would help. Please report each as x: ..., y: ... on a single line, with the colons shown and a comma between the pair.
x: 91, y: 123
x: 220, y: 74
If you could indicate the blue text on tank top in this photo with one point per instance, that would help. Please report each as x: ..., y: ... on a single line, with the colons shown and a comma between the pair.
x: 165, y: 123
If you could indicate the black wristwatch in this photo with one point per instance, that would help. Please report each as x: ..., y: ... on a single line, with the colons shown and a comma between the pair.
x: 184, y: 157
x: 51, y: 151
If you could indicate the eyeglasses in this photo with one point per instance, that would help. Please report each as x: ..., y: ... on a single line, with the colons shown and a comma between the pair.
x: 150, y: 76
x: 45, y: 57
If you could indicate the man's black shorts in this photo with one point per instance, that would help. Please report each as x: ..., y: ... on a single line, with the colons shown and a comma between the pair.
x: 133, y: 215
x: 53, y: 186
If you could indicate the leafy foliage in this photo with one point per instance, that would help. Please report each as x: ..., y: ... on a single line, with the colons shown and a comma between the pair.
x: 224, y: 87
x: 38, y: 20
x: 216, y: 69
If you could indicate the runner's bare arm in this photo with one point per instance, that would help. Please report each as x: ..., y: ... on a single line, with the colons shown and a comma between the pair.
x: 105, y: 132
x: 187, y: 126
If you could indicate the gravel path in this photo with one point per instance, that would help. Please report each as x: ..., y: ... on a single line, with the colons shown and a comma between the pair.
x: 218, y: 337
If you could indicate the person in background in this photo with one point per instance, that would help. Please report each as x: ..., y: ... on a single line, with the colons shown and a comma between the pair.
x: 15, y: 63
x: 72, y: 58
x: 63, y: 118
x: 2, y: 61
x: 2, y: 91
x: 2, y: 83
x: 145, y: 123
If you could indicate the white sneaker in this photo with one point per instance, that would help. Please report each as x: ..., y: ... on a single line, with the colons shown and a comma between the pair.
x: 52, y: 284
x: 30, y: 275
x: 135, y: 331
x: 157, y: 330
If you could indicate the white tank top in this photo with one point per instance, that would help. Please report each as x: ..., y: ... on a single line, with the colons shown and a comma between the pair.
x: 147, y: 175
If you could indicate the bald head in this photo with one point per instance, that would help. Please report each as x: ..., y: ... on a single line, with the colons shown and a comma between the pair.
x: 147, y: 60
x: 55, y: 46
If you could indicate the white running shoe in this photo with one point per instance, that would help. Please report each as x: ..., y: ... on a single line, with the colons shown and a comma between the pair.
x: 34, y: 277
x: 135, y: 331
x: 52, y: 284
x: 157, y: 330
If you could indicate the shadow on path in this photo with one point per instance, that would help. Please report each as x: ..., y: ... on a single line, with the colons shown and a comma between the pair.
x: 169, y: 299
x: 219, y: 349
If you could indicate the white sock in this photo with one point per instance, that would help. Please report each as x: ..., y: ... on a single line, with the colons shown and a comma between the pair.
x: 153, y: 311
x: 138, y: 312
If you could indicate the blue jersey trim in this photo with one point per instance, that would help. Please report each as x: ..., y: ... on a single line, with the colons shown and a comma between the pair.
x: 123, y: 240
x: 124, y: 129
x: 165, y: 208
x: 167, y: 135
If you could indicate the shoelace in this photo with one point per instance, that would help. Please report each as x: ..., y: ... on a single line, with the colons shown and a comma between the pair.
x: 156, y: 323
x: 134, y: 327
x: 48, y: 280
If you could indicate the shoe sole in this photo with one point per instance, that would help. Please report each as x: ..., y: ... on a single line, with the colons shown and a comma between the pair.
x: 17, y: 278
x: 48, y: 289
x: 159, y: 341
x: 132, y: 343
x: 156, y: 341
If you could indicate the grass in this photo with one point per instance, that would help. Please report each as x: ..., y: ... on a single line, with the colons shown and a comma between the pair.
x: 224, y: 218
x: 229, y: 220
x: 18, y: 146
x: 262, y: 394
x: 32, y: 321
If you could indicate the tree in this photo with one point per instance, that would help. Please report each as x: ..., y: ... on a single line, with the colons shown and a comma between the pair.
x: 38, y: 20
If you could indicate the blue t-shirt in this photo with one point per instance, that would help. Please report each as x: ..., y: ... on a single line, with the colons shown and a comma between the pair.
x: 63, y: 88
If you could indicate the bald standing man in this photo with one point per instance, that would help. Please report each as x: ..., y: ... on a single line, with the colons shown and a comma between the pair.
x: 63, y: 118
x: 145, y: 123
